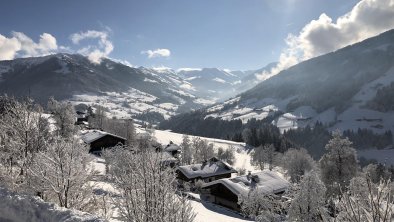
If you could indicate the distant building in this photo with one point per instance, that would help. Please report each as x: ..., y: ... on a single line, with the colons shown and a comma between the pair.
x: 82, y: 117
x: 225, y: 192
x: 99, y: 140
x: 210, y: 170
x: 173, y: 149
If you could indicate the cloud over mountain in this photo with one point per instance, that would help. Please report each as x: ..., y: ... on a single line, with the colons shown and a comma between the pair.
x: 157, y: 53
x: 22, y: 45
x: 94, y: 52
x: 366, y: 19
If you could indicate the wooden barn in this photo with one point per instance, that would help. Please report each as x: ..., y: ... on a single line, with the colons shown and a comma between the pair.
x: 210, y: 170
x: 225, y: 192
x: 99, y: 140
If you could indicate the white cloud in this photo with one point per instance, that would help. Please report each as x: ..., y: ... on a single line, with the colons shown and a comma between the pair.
x: 157, y: 53
x: 94, y: 52
x: 22, y: 45
x: 366, y: 19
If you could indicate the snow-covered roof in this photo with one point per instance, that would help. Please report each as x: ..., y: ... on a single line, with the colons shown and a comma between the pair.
x: 265, y: 181
x: 94, y: 135
x: 172, y: 147
x: 212, y: 167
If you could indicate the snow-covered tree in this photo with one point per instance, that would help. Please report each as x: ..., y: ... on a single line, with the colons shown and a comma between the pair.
x: 366, y: 201
x: 263, y: 155
x: 23, y: 132
x: 297, y: 162
x: 227, y: 155
x: 260, y: 206
x: 59, y: 174
x: 202, y: 150
x: 371, y: 170
x: 122, y: 127
x: 98, y: 119
x: 187, y: 153
x: 308, y: 204
x: 339, y: 165
x: 64, y: 116
x: 147, y: 190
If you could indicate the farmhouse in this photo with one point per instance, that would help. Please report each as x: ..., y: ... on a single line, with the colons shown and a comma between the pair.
x: 99, y: 140
x: 210, y: 170
x: 225, y: 192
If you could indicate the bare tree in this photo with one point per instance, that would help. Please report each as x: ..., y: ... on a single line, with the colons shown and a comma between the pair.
x: 148, y: 191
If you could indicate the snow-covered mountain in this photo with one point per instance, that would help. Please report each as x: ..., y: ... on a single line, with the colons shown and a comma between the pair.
x: 219, y: 84
x: 350, y: 88
x: 123, y: 89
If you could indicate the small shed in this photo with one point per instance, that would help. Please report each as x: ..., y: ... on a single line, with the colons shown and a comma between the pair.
x: 210, y: 170
x: 99, y: 140
x: 226, y: 192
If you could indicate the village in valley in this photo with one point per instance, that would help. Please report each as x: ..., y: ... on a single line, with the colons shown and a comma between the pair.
x: 117, y: 170
x: 197, y: 111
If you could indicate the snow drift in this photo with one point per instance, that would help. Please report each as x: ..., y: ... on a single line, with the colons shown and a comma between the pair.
x: 20, y: 208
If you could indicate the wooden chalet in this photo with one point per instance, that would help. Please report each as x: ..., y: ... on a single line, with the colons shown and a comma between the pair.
x: 210, y: 170
x: 99, y: 140
x: 225, y: 192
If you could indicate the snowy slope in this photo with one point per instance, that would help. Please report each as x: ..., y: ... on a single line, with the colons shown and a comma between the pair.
x: 334, y: 89
x: 126, y: 90
x: 219, y: 84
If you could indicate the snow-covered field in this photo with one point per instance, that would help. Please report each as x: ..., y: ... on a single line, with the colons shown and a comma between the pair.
x: 126, y: 104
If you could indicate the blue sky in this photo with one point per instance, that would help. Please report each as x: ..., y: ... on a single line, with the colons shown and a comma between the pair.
x: 232, y: 34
